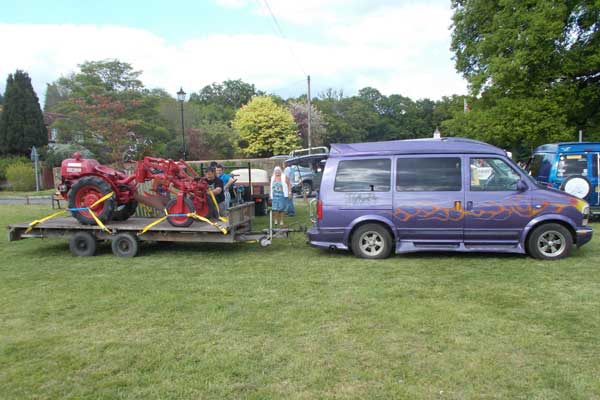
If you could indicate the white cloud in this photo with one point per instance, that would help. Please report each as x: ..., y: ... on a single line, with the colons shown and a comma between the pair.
x: 401, y: 49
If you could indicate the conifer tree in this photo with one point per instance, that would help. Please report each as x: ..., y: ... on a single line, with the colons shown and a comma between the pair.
x: 22, y: 122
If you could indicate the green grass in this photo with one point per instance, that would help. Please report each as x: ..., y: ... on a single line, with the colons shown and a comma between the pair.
x: 290, y: 321
x: 9, y: 193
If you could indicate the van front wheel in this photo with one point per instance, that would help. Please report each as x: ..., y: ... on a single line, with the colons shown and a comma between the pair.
x: 550, y: 242
x: 371, y: 241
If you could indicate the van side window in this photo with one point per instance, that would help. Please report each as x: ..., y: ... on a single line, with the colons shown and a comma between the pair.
x: 372, y: 175
x: 492, y: 174
x: 429, y: 174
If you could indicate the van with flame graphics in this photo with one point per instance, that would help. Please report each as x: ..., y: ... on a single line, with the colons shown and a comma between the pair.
x: 449, y: 194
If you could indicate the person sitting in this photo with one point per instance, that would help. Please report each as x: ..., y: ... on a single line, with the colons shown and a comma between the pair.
x: 215, y: 185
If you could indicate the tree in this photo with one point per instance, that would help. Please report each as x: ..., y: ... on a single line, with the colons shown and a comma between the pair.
x: 266, y: 127
x: 230, y: 93
x: 22, y: 122
x: 106, y: 106
x: 542, y: 55
x: 54, y: 95
x: 1, y: 99
x: 299, y: 111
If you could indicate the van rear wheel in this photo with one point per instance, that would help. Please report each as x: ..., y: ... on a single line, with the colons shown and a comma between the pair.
x: 550, y: 242
x: 371, y: 241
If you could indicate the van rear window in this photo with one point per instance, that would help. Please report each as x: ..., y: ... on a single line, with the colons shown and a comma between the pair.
x: 430, y: 174
x: 372, y: 175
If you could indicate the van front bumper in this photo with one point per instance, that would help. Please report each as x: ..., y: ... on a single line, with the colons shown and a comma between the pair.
x: 584, y: 235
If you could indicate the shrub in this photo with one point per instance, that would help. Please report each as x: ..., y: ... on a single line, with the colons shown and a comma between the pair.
x: 59, y: 152
x: 20, y: 176
x: 6, y: 161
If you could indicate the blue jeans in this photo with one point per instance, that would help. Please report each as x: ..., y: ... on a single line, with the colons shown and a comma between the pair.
x: 291, y: 211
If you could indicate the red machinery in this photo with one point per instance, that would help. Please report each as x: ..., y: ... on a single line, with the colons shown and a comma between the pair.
x: 85, y: 181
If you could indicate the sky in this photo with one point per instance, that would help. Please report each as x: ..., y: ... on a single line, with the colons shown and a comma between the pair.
x: 396, y: 46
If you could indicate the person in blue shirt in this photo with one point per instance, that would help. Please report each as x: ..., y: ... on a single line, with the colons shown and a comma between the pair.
x: 289, y: 174
x: 228, y: 181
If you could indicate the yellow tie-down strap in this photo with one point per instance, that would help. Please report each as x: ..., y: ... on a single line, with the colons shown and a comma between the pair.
x: 189, y: 215
x: 212, y: 196
x: 88, y: 209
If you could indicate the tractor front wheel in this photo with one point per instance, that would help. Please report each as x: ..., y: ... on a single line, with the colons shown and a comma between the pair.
x: 180, y: 220
x: 87, y: 191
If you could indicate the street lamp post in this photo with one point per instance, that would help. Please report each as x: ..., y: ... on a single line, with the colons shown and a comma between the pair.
x: 181, y: 98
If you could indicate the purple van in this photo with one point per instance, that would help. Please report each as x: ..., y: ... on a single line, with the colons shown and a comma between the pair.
x: 449, y: 194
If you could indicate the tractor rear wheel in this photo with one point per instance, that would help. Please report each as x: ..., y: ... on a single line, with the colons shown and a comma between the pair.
x: 180, y: 221
x: 85, y: 192
x: 125, y: 211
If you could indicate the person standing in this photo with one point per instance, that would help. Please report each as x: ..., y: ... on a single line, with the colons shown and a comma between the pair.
x: 215, y: 184
x: 279, y: 194
x: 289, y: 176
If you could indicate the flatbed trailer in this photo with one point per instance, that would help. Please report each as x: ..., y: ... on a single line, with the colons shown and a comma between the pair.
x: 125, y: 235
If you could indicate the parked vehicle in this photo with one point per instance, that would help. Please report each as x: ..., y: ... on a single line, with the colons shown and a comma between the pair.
x: 255, y: 186
x: 572, y: 167
x: 449, y: 194
x: 308, y: 172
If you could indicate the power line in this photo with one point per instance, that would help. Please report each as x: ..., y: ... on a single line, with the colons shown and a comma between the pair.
x: 282, y: 35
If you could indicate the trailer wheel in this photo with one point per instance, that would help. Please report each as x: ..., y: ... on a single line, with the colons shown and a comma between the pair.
x: 265, y: 242
x: 83, y: 244
x: 125, y: 245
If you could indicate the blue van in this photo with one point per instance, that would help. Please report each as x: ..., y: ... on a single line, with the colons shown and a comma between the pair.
x: 449, y: 194
x: 572, y: 167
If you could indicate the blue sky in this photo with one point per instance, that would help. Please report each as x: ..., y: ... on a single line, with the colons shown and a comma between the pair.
x: 396, y: 46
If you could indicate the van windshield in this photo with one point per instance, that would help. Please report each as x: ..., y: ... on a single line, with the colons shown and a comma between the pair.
x: 539, y: 166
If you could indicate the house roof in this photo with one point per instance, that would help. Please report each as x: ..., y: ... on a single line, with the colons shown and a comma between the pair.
x: 449, y: 145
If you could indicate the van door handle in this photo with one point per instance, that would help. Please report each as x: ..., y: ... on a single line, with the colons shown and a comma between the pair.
x: 469, y: 205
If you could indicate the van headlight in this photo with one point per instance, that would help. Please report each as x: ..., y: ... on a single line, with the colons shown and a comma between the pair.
x: 586, y: 214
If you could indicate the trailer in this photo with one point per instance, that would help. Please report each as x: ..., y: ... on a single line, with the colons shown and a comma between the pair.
x: 125, y: 236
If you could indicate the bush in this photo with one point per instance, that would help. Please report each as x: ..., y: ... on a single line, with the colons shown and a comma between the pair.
x: 59, y: 152
x: 6, y: 161
x: 20, y: 176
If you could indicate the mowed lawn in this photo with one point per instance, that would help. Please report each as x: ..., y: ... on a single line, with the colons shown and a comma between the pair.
x: 289, y: 321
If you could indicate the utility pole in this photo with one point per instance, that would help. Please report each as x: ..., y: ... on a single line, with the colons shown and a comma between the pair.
x: 309, y: 112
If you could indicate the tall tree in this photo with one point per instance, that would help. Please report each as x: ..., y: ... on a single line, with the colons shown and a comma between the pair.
x: 107, y: 106
x: 299, y: 111
x: 22, y: 122
x: 540, y: 55
x: 266, y: 127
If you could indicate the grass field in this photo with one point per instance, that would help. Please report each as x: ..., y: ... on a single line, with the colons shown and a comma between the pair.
x: 290, y: 321
x: 9, y: 193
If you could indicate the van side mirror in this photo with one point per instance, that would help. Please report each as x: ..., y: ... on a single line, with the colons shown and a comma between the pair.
x: 521, y: 186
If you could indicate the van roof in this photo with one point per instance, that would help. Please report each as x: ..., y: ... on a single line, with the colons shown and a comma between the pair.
x: 566, y: 147
x: 448, y: 145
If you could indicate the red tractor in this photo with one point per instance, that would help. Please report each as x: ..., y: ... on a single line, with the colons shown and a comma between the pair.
x: 176, y: 186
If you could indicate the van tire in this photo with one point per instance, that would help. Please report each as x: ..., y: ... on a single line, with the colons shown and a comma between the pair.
x: 542, y: 242
x: 371, y: 241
